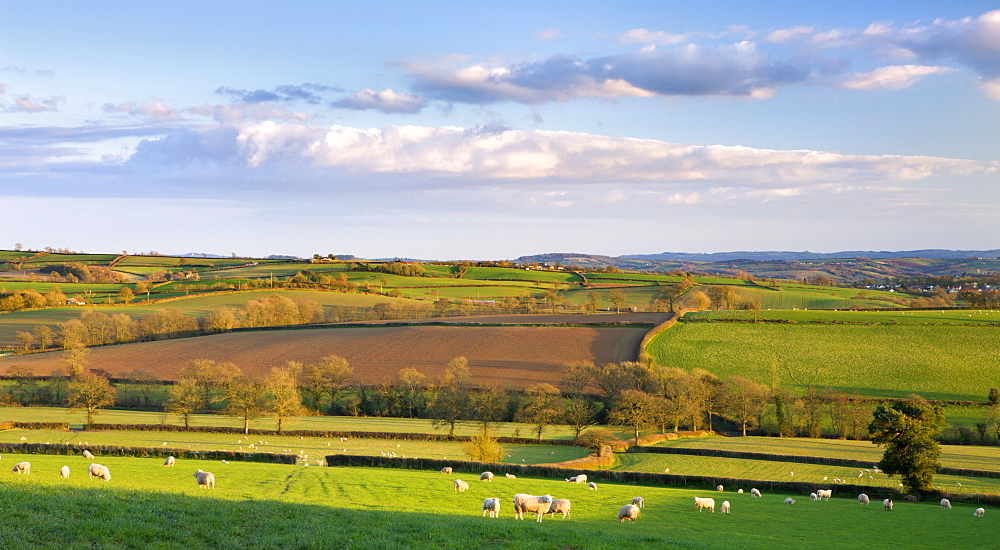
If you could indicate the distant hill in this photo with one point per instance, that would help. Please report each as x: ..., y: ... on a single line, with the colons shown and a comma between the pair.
x: 932, y: 254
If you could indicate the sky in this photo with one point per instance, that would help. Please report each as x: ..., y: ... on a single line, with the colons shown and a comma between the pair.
x: 492, y: 130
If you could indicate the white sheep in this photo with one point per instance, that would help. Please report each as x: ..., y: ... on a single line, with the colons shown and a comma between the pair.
x: 946, y: 504
x: 560, y: 505
x: 980, y: 512
x: 528, y: 503
x: 628, y: 512
x: 491, y: 505
x: 99, y: 470
x: 725, y: 507
x: 813, y: 496
x: 824, y: 493
x: 64, y: 472
x: 509, y: 475
x: 206, y: 480
x: 460, y: 485
x: 740, y: 490
x: 88, y: 455
x: 486, y: 476
x: 582, y: 478
x: 701, y: 503
x: 637, y: 501
x: 887, y: 504
x: 169, y: 462
x: 22, y: 468
x: 863, y: 499
x: 446, y: 470
x: 719, y: 488
x: 789, y: 500
x: 592, y: 486
x: 754, y: 493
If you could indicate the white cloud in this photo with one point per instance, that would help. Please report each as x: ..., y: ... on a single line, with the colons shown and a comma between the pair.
x: 155, y: 110
x: 893, y: 77
x: 387, y: 101
x: 546, y: 35
x: 785, y: 35
x: 26, y: 104
x: 644, y: 36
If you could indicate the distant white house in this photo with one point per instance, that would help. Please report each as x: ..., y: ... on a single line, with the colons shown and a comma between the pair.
x: 76, y: 301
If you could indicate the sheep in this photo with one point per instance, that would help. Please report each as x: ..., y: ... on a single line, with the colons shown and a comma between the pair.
x: 486, y: 476
x: 88, y: 455
x: 582, y: 478
x: 64, y: 472
x: 561, y: 505
x: 740, y: 490
x: 99, y: 470
x: 446, y: 470
x: 824, y: 493
x: 628, y: 512
x: 206, y: 480
x: 755, y: 493
x: 719, y: 488
x: 169, y: 462
x: 789, y: 500
x: 460, y: 485
x: 491, y: 505
x: 22, y: 468
x: 946, y: 504
x: 701, y: 503
x: 863, y: 499
x: 887, y: 504
x: 592, y: 486
x: 813, y: 496
x: 509, y: 475
x: 528, y: 503
x: 725, y: 507
x: 980, y: 512
x: 637, y: 501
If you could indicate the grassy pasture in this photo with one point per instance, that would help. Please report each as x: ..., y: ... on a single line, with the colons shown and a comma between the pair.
x: 935, y: 361
x: 281, y: 506
x: 907, y: 317
x: 518, y: 274
x: 87, y: 259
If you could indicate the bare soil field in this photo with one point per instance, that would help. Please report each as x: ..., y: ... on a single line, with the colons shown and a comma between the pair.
x: 506, y: 356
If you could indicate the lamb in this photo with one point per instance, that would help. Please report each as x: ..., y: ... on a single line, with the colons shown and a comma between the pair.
x: 22, y: 468
x: 528, y: 503
x: 509, y: 475
x: 99, y: 470
x: 460, y: 485
x: 88, y: 455
x: 582, y: 478
x: 701, y: 503
x: 980, y: 512
x: 887, y: 504
x: 592, y: 486
x: 740, y: 490
x: 637, y: 501
x: 64, y: 472
x: 486, y: 476
x: 754, y: 493
x: 813, y: 496
x: 446, y: 470
x: 560, y: 505
x: 206, y: 480
x: 824, y: 493
x: 789, y: 500
x: 628, y: 512
x: 491, y: 505
x: 946, y: 504
x: 863, y: 499
x: 719, y: 488
x: 725, y: 506
x: 169, y: 462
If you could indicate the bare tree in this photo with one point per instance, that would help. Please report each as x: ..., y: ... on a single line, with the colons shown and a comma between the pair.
x: 745, y: 400
x: 246, y: 399
x: 542, y: 408
x: 90, y: 392
x: 634, y: 409
x: 184, y: 398
x: 452, y: 400
x: 327, y: 377
x: 284, y: 399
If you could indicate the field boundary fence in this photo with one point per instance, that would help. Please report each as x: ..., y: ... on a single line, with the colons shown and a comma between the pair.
x: 143, y: 452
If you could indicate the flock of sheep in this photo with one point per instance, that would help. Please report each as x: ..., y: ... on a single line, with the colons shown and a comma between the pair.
x: 204, y: 479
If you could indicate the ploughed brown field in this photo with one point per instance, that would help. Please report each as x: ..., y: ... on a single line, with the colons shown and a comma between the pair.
x: 512, y: 356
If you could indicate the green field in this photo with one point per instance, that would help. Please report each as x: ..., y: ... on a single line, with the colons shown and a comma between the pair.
x: 935, y: 361
x: 907, y: 317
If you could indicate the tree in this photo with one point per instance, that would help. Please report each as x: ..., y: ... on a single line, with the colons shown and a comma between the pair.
x: 581, y: 414
x: 452, y: 399
x: 592, y: 301
x: 90, y: 392
x: 184, y: 398
x: 906, y: 430
x: 283, y: 397
x: 490, y: 405
x: 634, y: 409
x: 328, y: 378
x: 597, y: 438
x: 246, y: 399
x: 210, y: 376
x: 44, y: 335
x: 617, y: 299
x: 542, y: 408
x: 744, y: 400
x: 993, y: 397
x: 24, y: 383
x: 484, y: 448
x: 410, y: 382
x: 126, y: 295
x: 75, y: 360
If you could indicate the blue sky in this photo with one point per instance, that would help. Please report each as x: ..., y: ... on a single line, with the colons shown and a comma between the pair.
x: 452, y: 130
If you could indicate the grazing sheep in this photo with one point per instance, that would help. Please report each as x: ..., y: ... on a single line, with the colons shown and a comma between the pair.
x: 169, y: 462
x: 946, y: 504
x: 22, y: 468
x: 88, y: 455
x: 486, y: 476
x: 446, y: 470
x: 560, y: 505
x: 491, y: 505
x: 755, y: 493
x: 725, y: 507
x: 628, y: 512
x: 637, y: 501
x: 700, y: 503
x: 64, y: 472
x: 813, y: 496
x: 528, y: 503
x: 509, y: 475
x: 592, y: 486
x: 789, y: 500
x: 99, y: 470
x: 740, y: 490
x: 460, y: 485
x: 719, y: 488
x: 206, y: 480
x: 863, y: 499
x: 582, y: 478
x: 980, y: 512
x: 887, y: 504
x: 824, y: 493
